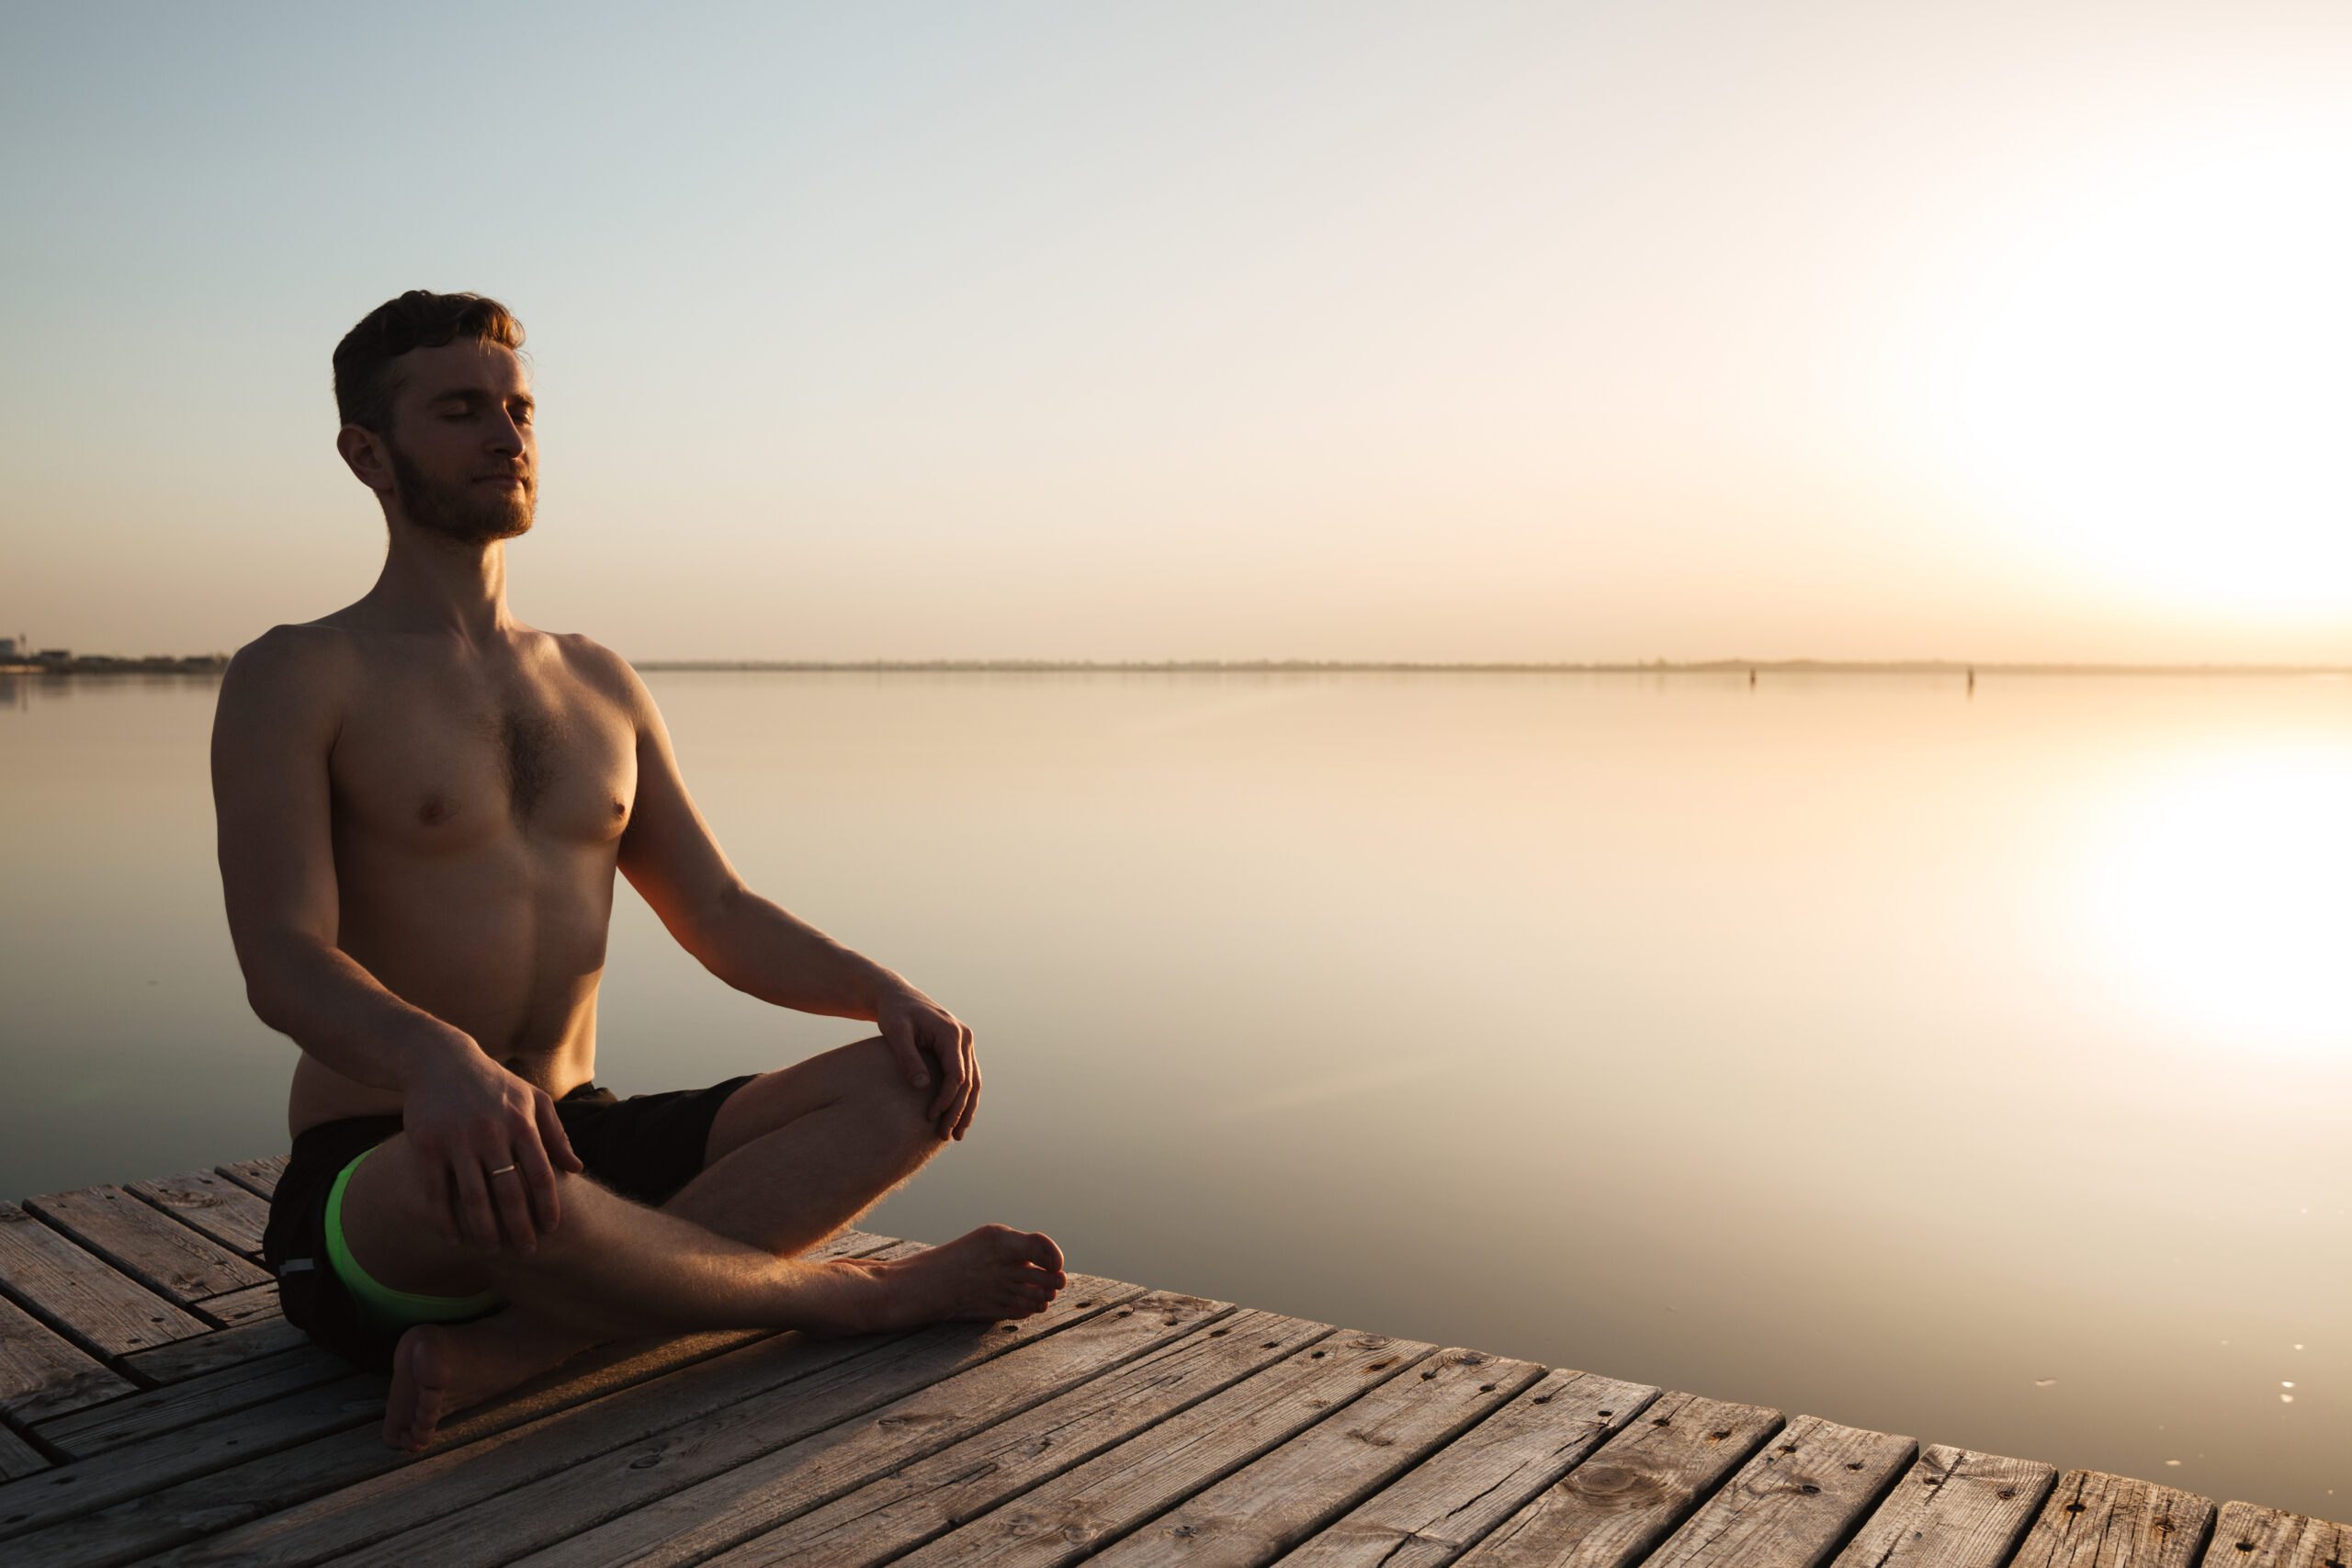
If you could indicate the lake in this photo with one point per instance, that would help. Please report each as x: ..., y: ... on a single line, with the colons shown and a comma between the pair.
x: 1973, y: 1067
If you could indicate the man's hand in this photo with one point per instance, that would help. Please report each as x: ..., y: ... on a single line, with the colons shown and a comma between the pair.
x: 918, y: 1028
x: 488, y: 1136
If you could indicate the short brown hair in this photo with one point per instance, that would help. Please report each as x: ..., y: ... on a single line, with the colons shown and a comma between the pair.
x: 364, y: 379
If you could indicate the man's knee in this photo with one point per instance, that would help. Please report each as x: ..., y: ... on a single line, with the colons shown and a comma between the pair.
x: 900, y: 1110
x: 396, y: 1223
x: 400, y: 1207
x: 863, y: 1081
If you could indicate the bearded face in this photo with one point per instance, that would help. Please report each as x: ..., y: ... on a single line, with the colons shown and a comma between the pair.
x: 467, y: 509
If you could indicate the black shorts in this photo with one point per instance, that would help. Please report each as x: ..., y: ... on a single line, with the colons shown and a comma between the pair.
x: 644, y: 1147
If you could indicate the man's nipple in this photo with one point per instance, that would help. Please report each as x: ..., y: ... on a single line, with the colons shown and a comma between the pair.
x: 434, y: 809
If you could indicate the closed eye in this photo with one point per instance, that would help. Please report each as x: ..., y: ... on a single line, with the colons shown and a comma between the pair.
x: 462, y: 405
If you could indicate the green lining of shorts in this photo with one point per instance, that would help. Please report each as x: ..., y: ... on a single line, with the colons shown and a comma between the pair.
x: 388, y: 1307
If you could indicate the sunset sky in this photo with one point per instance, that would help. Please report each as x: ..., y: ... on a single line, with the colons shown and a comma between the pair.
x: 1438, y: 331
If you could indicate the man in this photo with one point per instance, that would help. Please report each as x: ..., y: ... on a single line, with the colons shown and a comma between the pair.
x: 422, y: 802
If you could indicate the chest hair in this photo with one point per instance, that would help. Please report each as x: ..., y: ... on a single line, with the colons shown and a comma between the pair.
x: 526, y: 752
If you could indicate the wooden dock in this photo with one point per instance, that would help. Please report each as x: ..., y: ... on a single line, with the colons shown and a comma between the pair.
x: 154, y: 1408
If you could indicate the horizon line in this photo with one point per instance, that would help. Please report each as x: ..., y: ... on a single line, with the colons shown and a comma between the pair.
x: 1651, y: 666
x: 213, y: 662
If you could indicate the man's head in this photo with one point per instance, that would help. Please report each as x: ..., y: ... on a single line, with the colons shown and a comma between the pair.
x: 436, y: 414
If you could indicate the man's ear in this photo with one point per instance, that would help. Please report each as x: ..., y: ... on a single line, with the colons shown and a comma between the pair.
x: 362, y: 453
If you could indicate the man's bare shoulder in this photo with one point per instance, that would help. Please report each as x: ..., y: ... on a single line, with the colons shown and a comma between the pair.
x: 293, y: 680
x: 607, y: 671
x: 294, y: 656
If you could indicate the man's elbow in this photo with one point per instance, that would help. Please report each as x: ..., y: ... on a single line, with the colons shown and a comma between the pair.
x: 268, y: 1004
x: 273, y: 980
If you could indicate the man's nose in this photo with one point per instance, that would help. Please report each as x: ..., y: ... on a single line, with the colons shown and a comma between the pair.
x: 506, y: 435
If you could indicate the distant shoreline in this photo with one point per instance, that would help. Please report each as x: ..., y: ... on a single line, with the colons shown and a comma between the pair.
x: 213, y: 663
x: 109, y: 664
x: 1317, y: 666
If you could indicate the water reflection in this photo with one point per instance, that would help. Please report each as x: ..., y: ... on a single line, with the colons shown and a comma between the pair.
x: 2219, y: 886
x: 1325, y: 1089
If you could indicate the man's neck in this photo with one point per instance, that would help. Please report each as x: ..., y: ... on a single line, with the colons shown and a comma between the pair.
x: 432, y: 584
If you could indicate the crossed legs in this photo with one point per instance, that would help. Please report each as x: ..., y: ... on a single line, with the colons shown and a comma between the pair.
x: 793, y: 1156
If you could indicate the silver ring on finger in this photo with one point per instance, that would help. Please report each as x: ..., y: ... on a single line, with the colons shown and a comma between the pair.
x: 502, y: 1170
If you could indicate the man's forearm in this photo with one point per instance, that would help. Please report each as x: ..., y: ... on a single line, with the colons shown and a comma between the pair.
x: 770, y: 953
x: 340, y: 1013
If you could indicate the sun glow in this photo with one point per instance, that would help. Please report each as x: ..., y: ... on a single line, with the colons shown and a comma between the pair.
x: 2155, y: 381
x: 2222, y: 895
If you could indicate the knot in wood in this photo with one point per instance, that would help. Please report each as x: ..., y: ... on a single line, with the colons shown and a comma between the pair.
x: 1617, y: 1486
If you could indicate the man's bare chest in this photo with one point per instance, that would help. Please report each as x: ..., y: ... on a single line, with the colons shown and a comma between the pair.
x: 438, y: 765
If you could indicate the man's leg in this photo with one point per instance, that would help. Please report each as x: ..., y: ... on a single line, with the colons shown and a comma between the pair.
x: 792, y: 1157
x: 614, y: 1269
x: 795, y: 1155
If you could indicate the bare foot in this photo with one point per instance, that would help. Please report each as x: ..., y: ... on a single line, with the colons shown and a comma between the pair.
x: 989, y: 1274
x: 438, y: 1370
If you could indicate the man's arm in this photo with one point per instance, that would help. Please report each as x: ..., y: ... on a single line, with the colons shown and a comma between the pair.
x: 271, y: 734
x: 672, y: 858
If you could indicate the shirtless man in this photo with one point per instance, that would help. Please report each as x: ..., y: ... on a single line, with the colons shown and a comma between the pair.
x: 422, y: 802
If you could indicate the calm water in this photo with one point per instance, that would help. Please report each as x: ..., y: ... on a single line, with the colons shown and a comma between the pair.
x: 1971, y: 1068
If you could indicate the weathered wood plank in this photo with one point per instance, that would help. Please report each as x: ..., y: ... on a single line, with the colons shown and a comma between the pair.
x: 382, y: 1498
x: 1790, y: 1505
x: 1442, y: 1507
x: 1271, y: 1505
x: 2248, y: 1536
x: 835, y: 1432
x: 43, y: 1375
x: 83, y: 1486
x: 258, y: 1177
x: 2110, y: 1521
x: 1955, y: 1509
x: 205, y: 1502
x: 252, y: 1305
x: 212, y: 1205
x: 18, y: 1456
x: 915, y: 1501
x: 1080, y: 1511
x: 137, y: 1417
x: 210, y: 1202
x: 80, y: 1293
x: 1610, y: 1510
x: 150, y: 1247
x: 203, y: 1353
x: 156, y: 1471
